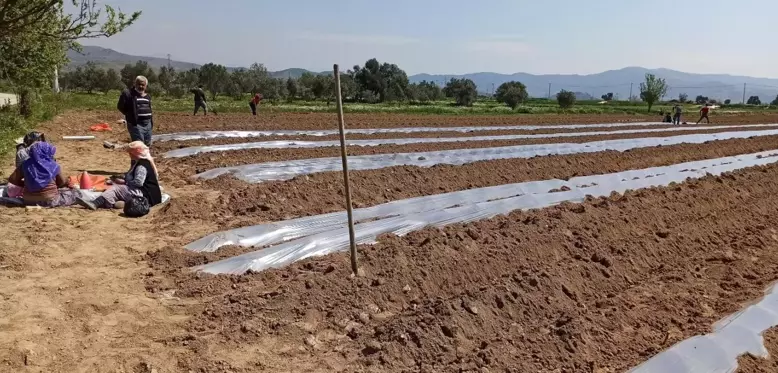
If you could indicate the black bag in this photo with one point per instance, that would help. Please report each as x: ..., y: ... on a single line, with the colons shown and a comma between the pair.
x: 136, y: 207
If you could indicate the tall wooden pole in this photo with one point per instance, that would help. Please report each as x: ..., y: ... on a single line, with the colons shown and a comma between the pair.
x: 342, y: 127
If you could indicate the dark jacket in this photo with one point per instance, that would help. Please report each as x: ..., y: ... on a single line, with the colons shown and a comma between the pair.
x: 199, y: 95
x: 150, y: 187
x: 136, y: 108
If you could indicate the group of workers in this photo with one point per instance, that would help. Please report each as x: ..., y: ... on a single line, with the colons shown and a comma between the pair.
x: 38, y: 178
x: 674, y: 116
x: 201, y: 102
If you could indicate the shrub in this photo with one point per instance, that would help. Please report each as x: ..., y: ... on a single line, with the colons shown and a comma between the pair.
x: 512, y: 94
x: 566, y: 99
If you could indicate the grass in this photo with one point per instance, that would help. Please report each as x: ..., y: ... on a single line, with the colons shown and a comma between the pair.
x: 484, y: 106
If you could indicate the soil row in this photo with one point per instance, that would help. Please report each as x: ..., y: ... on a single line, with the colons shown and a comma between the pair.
x: 164, y: 146
x: 233, y: 203
x: 595, y: 287
x: 175, y: 169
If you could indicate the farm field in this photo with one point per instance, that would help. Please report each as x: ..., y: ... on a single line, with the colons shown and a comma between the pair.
x: 588, y: 284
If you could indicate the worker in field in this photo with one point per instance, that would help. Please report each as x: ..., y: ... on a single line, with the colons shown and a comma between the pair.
x: 199, y: 100
x: 677, y: 112
x: 135, y: 104
x: 254, y: 103
x: 704, y: 113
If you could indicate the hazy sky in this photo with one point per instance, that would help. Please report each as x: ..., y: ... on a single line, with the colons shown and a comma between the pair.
x: 460, y: 36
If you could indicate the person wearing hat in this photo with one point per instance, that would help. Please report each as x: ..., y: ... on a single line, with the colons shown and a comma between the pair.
x: 23, y: 146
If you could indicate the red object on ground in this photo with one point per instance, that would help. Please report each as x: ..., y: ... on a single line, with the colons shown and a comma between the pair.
x: 98, y: 182
x: 86, y: 181
x: 100, y: 127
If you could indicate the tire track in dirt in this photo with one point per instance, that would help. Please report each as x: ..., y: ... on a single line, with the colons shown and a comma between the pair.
x: 240, y: 204
x: 186, y: 167
x: 594, y: 287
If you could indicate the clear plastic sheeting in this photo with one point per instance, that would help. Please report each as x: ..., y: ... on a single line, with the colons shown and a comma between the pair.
x: 260, y: 172
x: 718, y: 351
x: 272, y: 233
x: 325, y: 234
x: 297, y: 144
x: 205, y: 135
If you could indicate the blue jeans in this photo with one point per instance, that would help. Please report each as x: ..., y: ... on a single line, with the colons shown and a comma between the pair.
x: 141, y: 132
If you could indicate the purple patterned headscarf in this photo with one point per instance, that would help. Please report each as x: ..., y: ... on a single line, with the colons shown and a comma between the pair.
x: 40, y: 169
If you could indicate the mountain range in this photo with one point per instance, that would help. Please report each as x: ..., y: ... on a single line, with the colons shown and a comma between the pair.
x: 621, y: 83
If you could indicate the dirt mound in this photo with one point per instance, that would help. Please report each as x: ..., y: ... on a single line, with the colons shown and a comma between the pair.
x: 752, y: 364
x: 241, y: 204
x: 597, y: 287
x: 187, y: 167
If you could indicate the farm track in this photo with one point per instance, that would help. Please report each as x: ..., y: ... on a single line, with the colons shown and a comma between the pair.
x: 594, y: 287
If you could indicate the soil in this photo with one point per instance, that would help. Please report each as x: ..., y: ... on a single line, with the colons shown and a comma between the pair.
x: 753, y: 364
x: 233, y: 203
x: 186, y: 167
x: 597, y: 287
x: 164, y: 146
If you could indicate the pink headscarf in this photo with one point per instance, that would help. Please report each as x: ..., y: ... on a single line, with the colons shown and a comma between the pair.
x: 139, y: 150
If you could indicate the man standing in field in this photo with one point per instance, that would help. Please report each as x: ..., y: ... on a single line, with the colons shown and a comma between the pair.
x: 704, y: 114
x: 135, y: 104
x: 199, y: 100
x: 677, y: 111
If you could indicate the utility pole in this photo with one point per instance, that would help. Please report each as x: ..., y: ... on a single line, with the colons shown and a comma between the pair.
x: 549, y: 91
x: 744, y: 93
x: 492, y: 89
x: 630, y: 91
x: 169, y: 65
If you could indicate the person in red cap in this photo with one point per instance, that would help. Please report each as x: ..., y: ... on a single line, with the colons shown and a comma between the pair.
x: 255, y: 102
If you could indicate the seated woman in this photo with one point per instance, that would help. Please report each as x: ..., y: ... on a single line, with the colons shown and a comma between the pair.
x: 23, y: 149
x: 140, y: 181
x: 42, y: 180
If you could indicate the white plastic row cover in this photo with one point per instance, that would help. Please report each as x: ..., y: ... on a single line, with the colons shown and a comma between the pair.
x: 325, y: 234
x: 184, y: 136
x: 298, y: 144
x: 736, y: 335
x: 260, y: 172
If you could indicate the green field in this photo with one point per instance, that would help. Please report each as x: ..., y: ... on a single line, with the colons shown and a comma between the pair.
x: 482, y: 107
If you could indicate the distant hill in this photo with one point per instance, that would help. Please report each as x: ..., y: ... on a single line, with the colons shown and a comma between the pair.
x: 714, y: 86
x: 109, y: 58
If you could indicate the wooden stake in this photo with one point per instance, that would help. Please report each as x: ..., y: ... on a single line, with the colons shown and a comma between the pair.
x: 342, y: 127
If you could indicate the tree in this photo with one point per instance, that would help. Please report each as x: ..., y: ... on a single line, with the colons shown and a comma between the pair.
x: 93, y: 77
x: 112, y: 81
x: 701, y: 100
x: 130, y: 72
x: 291, y: 87
x: 215, y: 78
x: 387, y: 81
x: 511, y: 94
x: 608, y: 97
x: 322, y: 86
x: 166, y: 77
x: 464, y: 91
x: 348, y: 86
x: 754, y: 100
x: 774, y: 102
x: 34, y: 35
x: 566, y: 99
x: 727, y: 102
x: 652, y: 90
x: 683, y: 97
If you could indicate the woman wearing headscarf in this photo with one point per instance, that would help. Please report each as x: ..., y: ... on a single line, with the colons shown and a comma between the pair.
x: 42, y: 179
x: 140, y: 181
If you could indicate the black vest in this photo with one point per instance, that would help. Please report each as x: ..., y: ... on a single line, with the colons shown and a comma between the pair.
x: 150, y: 187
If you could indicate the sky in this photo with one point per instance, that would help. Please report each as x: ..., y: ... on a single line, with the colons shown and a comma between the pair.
x: 459, y: 36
